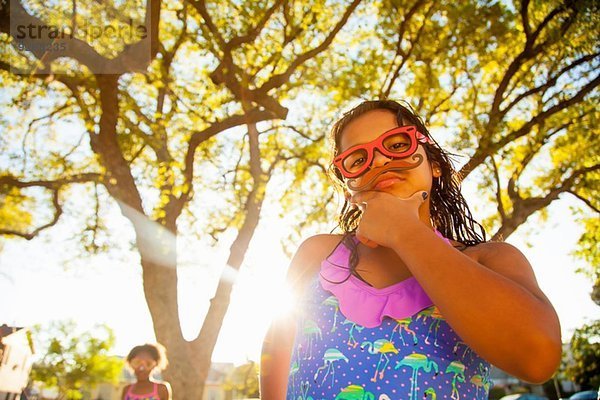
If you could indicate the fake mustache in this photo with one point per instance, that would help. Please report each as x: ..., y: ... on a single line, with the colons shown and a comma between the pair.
x: 395, y: 165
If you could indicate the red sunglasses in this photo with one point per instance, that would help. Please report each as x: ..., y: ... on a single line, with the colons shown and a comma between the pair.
x: 399, y: 142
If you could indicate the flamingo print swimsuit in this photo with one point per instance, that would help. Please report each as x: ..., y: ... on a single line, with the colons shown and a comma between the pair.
x: 358, y: 342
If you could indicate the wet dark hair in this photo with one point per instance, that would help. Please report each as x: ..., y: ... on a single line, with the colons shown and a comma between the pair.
x: 156, y: 351
x: 449, y: 211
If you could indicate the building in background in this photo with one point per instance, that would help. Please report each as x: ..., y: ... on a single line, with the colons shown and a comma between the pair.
x: 16, y: 358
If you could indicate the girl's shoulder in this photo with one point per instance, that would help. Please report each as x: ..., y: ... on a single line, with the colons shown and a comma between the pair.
x: 320, y: 243
x: 318, y: 247
x: 490, y: 250
x: 508, y: 261
x: 164, y: 390
x: 125, y: 390
x: 307, y: 260
x: 501, y: 257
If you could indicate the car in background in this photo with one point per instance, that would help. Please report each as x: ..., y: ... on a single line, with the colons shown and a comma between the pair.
x: 585, y: 395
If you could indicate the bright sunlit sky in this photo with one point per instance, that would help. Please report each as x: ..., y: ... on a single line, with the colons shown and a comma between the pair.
x: 40, y: 282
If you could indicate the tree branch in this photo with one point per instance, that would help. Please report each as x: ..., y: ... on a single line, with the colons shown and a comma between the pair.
x: 73, y: 47
x: 253, y: 116
x: 53, y: 185
x: 549, y: 112
x: 200, y: 6
x: 130, y: 59
x: 569, y: 181
x: 85, y: 177
x: 197, y: 138
x: 498, y: 190
x: 551, y: 82
x: 586, y: 201
x: 529, y: 52
x: 297, y: 130
x: 560, y: 8
x: 399, y: 52
x: 57, y: 213
x: 255, y: 31
x: 524, y: 208
x: 525, y: 18
x: 484, y: 151
x: 280, y: 79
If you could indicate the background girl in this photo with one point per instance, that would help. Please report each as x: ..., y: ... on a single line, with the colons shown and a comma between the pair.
x: 410, y: 302
x: 143, y: 361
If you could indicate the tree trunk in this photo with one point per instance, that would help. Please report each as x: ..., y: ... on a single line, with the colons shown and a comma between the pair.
x: 203, y: 346
x: 160, y: 289
x: 476, y: 160
x: 188, y: 374
x: 159, y: 273
x: 507, y: 229
x: 522, y: 209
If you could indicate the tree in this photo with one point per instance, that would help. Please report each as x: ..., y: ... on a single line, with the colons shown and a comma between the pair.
x: 588, y: 251
x: 243, y: 380
x: 140, y: 130
x: 74, y: 362
x: 583, y: 367
x: 13, y: 213
x: 513, y: 83
x: 207, y: 113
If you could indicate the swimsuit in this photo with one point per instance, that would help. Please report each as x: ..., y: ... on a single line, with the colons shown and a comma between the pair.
x: 149, y: 396
x: 354, y: 341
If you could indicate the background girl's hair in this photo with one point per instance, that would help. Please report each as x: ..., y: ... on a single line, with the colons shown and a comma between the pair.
x: 450, y: 214
x: 157, y: 351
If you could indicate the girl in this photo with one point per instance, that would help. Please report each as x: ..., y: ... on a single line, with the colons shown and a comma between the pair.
x: 143, y: 360
x: 411, y: 302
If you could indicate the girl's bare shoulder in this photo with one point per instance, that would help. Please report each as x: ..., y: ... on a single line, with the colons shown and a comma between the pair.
x: 164, y: 390
x: 503, y: 258
x: 492, y: 249
x: 124, y: 391
x: 319, y: 245
x: 307, y: 260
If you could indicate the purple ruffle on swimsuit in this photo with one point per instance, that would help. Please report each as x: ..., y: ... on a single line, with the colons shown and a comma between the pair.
x: 364, y: 304
x: 355, y: 341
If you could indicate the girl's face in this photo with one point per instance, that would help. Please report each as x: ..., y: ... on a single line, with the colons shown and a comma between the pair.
x: 369, y: 127
x: 142, y: 365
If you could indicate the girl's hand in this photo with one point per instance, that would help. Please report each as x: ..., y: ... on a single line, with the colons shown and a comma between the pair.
x: 383, y: 215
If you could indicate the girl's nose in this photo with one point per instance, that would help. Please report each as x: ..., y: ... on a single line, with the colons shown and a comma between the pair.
x: 379, y: 159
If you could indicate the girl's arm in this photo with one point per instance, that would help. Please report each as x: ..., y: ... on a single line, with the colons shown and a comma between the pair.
x: 279, y: 340
x: 275, y: 360
x: 124, y: 392
x: 493, y: 303
x: 491, y: 299
x: 164, y: 391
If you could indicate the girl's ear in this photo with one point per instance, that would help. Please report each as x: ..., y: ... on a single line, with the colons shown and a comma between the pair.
x: 436, y: 169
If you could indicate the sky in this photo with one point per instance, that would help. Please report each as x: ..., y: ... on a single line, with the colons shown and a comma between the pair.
x: 41, y: 282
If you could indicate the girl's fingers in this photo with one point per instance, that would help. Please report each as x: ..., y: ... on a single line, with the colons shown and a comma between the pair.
x: 360, y: 200
x: 419, y: 197
x: 363, y: 197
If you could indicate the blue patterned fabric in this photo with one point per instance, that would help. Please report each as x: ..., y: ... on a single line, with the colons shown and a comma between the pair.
x: 417, y: 357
